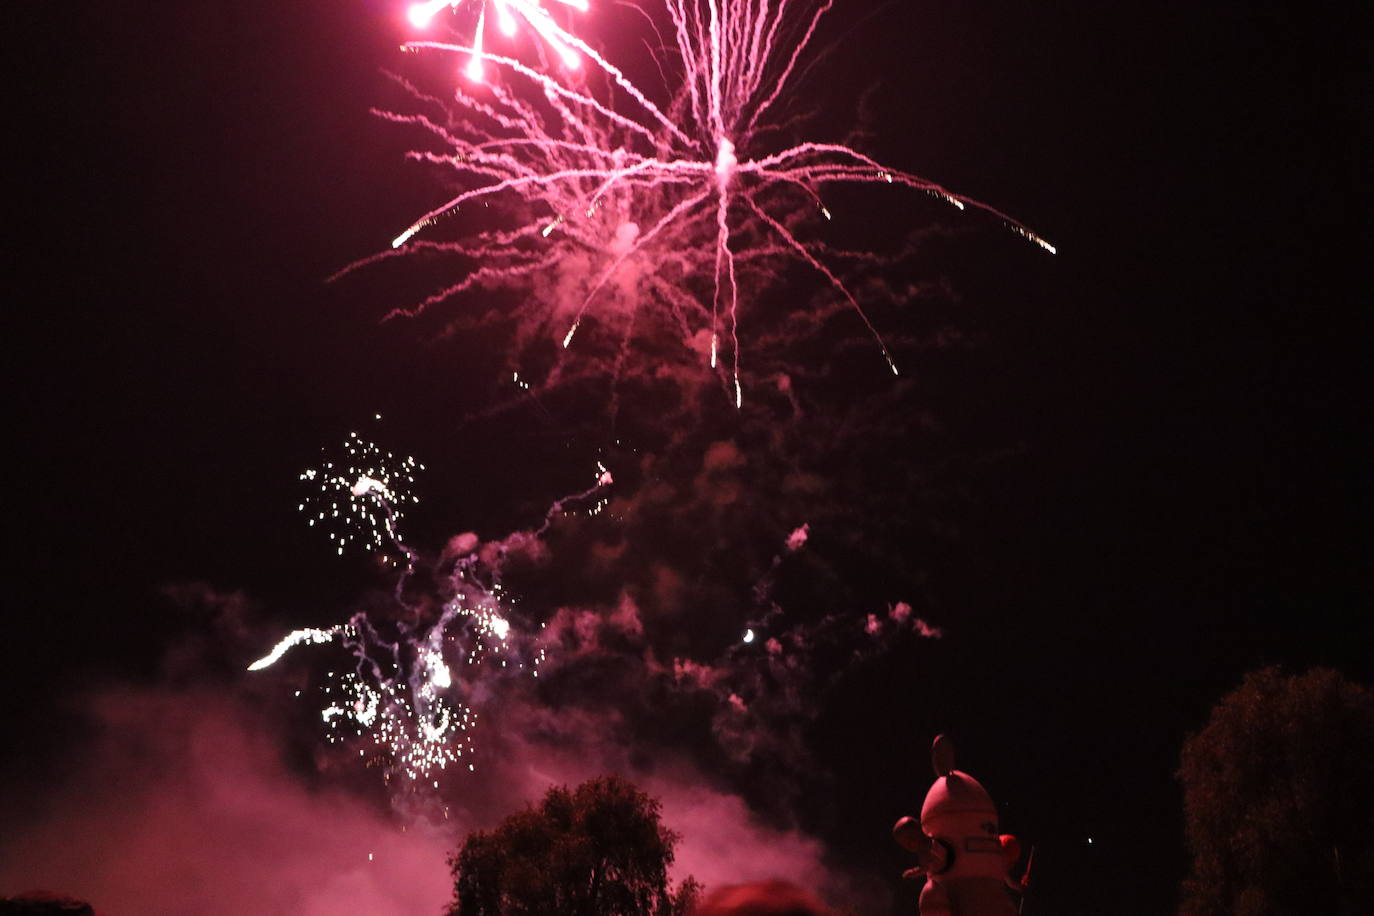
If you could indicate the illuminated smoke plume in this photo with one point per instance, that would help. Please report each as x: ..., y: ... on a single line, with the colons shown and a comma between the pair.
x: 684, y: 630
x: 450, y: 654
x: 654, y: 218
x: 742, y: 715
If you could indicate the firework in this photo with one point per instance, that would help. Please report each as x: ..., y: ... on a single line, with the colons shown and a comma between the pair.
x: 507, y: 15
x: 407, y: 701
x: 359, y: 494
x: 610, y: 200
x: 402, y: 703
x: 309, y: 635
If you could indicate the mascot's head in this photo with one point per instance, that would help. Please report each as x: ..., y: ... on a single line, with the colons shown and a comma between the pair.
x: 957, y: 804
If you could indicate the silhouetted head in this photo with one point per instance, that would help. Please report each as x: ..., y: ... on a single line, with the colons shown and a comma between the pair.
x: 44, y: 903
x: 764, y: 898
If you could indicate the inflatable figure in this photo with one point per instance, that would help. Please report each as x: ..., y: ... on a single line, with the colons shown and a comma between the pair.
x: 963, y: 858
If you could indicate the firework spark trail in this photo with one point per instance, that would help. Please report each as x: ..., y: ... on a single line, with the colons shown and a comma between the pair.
x: 581, y: 176
x: 410, y: 694
x: 578, y: 166
x: 307, y: 635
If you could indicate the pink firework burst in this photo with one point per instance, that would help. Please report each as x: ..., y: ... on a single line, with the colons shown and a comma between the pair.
x: 508, y: 14
x: 615, y: 203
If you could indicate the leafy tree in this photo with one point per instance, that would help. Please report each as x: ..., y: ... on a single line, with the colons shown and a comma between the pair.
x: 1278, y: 794
x: 597, y: 850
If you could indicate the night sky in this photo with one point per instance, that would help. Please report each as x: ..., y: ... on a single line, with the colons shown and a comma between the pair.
x: 1132, y: 472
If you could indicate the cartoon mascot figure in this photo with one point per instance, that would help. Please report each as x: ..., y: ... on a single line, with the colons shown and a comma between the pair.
x: 964, y: 860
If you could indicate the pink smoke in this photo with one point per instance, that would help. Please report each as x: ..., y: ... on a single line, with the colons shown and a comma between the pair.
x: 182, y: 805
x: 901, y: 612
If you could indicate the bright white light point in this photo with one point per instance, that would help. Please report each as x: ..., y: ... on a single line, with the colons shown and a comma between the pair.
x: 749, y: 637
x: 439, y: 676
x: 308, y: 635
x: 825, y: 213
x: 501, y: 627
x: 474, y: 69
x: 1090, y: 841
x: 725, y: 161
x: 367, y: 485
x: 571, y: 331
x: 420, y: 14
x: 369, y: 857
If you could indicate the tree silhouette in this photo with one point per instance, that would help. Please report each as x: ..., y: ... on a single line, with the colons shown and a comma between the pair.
x: 597, y: 850
x: 44, y: 903
x: 1278, y: 793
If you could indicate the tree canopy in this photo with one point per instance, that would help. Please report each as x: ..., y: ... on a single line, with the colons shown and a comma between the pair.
x: 597, y: 850
x: 1279, y: 799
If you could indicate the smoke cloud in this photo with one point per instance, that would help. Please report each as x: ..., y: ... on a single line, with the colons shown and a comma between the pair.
x: 181, y: 804
x: 213, y: 791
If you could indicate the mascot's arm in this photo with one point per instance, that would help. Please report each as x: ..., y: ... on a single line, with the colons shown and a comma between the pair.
x: 932, y: 856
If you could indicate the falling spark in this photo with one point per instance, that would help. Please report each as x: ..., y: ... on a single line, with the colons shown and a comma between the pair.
x: 707, y: 190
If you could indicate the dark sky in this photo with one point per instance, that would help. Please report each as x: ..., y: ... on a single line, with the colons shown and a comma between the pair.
x: 1151, y: 477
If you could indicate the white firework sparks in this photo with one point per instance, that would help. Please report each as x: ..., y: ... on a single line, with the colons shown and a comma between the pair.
x: 408, y: 698
x: 359, y: 495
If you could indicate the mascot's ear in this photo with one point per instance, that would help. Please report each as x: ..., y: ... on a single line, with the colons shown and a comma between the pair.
x: 942, y: 756
x: 908, y: 834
